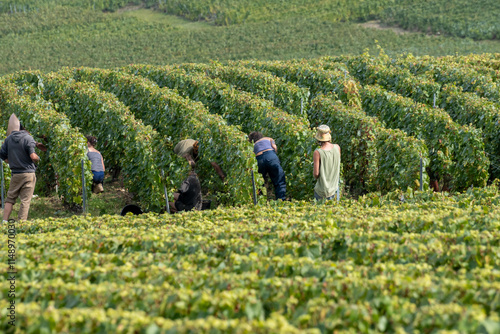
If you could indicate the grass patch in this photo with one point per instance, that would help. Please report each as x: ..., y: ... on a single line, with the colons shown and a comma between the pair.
x: 110, y: 202
x: 148, y: 15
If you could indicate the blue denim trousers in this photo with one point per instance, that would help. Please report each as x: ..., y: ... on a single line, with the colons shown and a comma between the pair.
x: 98, y: 177
x: 269, y: 165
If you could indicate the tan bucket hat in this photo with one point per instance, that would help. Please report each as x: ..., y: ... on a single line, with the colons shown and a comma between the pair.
x: 323, y: 133
x: 14, y: 124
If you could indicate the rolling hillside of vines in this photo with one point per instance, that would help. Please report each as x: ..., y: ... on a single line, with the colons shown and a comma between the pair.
x: 393, y: 118
x: 50, y: 34
x: 454, y: 18
x: 409, y: 88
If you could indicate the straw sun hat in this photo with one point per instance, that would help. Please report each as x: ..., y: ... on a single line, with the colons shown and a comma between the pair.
x: 323, y: 133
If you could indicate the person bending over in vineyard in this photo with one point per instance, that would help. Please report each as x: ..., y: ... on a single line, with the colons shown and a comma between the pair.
x: 269, y: 164
x: 18, y: 150
x: 97, y: 167
x: 326, y: 165
x: 188, y: 149
x: 188, y: 197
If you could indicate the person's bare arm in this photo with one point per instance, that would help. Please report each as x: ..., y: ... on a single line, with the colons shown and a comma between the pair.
x: 34, y: 157
x: 102, y: 160
x: 173, y: 209
x: 218, y: 170
x: 316, y: 164
x: 273, y: 145
x: 190, y: 160
x: 41, y: 147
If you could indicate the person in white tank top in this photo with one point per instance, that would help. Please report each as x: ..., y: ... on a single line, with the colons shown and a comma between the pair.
x: 326, y: 165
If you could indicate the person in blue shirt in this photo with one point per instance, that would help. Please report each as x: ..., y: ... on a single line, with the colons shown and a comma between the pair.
x: 265, y: 150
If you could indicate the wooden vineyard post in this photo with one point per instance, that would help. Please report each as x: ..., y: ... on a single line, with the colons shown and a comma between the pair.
x: 84, y: 191
x: 1, y: 163
x: 421, y: 175
x: 165, y: 191
x: 254, y: 192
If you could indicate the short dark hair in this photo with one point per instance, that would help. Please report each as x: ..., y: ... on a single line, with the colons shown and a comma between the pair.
x: 255, y: 136
x: 91, y: 140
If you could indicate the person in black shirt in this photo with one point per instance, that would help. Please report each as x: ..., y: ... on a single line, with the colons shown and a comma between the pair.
x: 188, y: 196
